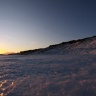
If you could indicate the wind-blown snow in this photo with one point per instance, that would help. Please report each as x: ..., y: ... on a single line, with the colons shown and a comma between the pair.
x: 48, y: 75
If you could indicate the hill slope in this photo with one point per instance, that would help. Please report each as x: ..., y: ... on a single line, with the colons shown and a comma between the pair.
x: 81, y: 46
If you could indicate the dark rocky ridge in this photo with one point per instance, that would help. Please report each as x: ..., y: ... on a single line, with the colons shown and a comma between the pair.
x: 75, y: 46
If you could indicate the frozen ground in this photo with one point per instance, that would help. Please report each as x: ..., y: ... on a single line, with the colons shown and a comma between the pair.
x: 48, y: 75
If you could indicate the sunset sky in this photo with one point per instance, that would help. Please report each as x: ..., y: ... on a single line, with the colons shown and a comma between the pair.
x: 30, y: 24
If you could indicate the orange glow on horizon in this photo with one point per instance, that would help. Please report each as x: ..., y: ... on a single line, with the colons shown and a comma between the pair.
x: 2, y: 51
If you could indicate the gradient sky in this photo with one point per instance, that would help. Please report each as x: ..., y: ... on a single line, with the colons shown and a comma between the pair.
x: 30, y: 24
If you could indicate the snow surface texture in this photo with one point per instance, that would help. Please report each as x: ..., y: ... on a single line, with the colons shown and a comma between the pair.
x: 48, y: 75
x: 66, y: 69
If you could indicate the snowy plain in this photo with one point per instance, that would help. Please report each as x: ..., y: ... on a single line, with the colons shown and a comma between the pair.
x: 48, y: 75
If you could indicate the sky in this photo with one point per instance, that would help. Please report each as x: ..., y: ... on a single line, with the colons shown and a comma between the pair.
x: 33, y: 24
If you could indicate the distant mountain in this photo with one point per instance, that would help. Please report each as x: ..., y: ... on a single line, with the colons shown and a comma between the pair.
x: 80, y: 46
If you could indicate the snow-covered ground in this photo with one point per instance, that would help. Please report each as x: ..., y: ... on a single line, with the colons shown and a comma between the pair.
x: 48, y: 75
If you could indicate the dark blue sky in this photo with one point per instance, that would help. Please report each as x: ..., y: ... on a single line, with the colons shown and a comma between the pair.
x: 30, y: 24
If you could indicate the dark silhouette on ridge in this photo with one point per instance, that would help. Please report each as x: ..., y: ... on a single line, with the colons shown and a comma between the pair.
x: 63, y: 48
